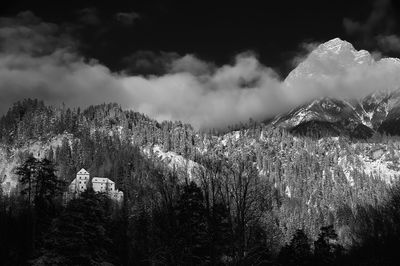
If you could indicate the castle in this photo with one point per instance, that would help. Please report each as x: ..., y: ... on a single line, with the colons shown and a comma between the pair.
x: 99, y: 184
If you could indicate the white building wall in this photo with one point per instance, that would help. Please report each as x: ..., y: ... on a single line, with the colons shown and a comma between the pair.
x: 100, y: 184
x: 82, y: 178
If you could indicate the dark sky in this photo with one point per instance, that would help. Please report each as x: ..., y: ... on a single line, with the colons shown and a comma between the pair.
x: 212, y: 30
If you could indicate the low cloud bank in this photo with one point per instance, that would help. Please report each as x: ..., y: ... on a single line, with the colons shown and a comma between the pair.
x: 38, y: 60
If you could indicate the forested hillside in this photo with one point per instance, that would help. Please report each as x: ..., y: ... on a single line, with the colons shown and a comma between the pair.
x: 257, y: 194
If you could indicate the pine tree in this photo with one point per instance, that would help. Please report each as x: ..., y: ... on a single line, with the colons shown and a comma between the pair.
x: 80, y: 236
x: 298, y: 252
x: 191, y: 225
x: 327, y: 249
x: 27, y: 173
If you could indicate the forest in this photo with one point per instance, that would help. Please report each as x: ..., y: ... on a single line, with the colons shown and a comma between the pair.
x: 260, y: 196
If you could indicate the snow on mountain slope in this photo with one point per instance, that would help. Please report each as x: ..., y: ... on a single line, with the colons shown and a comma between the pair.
x: 376, y: 112
x: 330, y: 115
x: 329, y: 59
x: 10, y: 157
x: 365, y: 158
x: 324, y: 109
x: 380, y: 167
x: 173, y: 160
x: 374, y: 161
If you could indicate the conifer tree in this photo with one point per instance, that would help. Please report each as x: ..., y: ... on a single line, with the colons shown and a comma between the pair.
x: 326, y: 248
x: 298, y: 252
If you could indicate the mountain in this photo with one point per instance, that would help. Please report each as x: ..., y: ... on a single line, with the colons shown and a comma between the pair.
x: 330, y: 58
x: 327, y: 116
x: 293, y: 181
x: 288, y: 181
x: 333, y: 116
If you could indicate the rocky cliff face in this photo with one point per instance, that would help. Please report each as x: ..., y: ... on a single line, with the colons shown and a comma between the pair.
x: 12, y: 156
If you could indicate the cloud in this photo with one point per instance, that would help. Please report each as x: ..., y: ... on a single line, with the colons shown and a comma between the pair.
x: 145, y: 62
x: 26, y: 33
x: 351, y: 82
x: 127, y: 18
x: 389, y: 43
x: 190, y: 89
x: 215, y: 100
x: 89, y: 16
x: 380, y: 18
x: 305, y: 48
x: 377, y: 30
x: 38, y: 60
x: 191, y: 64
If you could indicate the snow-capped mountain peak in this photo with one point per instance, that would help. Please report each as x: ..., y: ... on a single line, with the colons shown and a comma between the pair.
x: 343, y: 50
x: 337, y: 60
x: 331, y: 58
x: 336, y: 45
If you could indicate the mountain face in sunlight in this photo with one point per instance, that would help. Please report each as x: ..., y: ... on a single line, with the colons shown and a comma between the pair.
x: 359, y: 117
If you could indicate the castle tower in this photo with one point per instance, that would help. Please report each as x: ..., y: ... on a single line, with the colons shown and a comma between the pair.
x: 82, y: 180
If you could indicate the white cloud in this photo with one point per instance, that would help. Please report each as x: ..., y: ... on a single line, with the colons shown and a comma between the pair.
x: 213, y: 100
x: 389, y: 43
x: 127, y: 18
x: 191, y: 64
